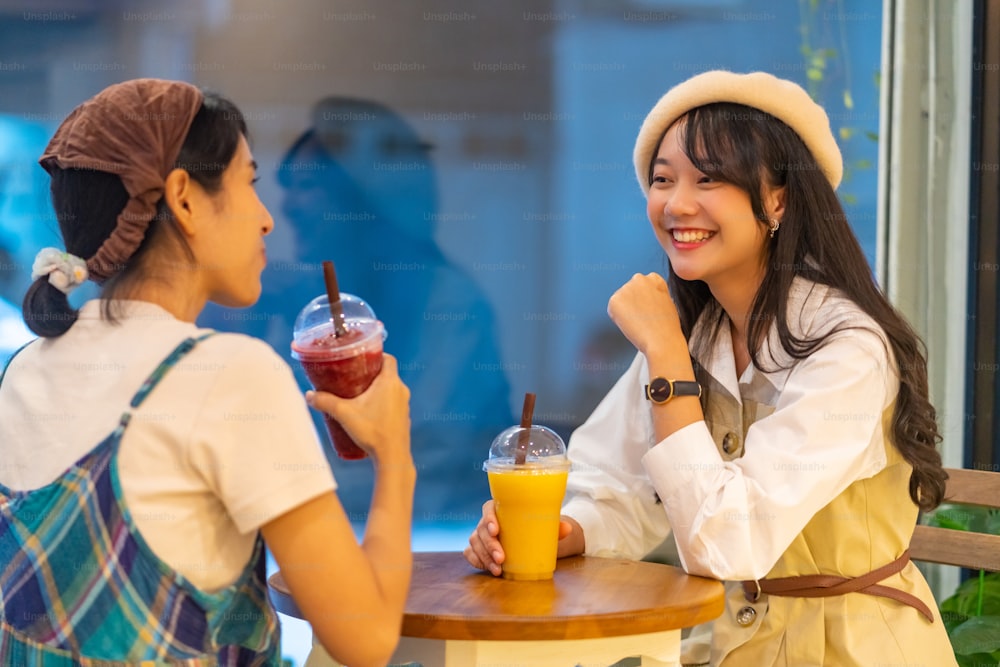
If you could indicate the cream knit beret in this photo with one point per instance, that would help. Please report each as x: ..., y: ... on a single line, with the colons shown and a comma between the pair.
x: 782, y: 99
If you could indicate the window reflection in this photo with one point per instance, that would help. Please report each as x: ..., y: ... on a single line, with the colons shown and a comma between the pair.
x: 358, y: 187
x: 491, y: 145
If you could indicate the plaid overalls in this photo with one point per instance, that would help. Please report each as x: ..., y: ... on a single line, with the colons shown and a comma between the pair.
x: 80, y: 586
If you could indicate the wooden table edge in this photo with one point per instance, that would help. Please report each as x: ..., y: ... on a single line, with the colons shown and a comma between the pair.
x: 501, y: 628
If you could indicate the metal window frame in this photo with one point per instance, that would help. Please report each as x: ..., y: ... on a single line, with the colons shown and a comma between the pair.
x: 982, y: 443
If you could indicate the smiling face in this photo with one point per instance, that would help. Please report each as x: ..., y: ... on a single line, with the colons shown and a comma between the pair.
x: 706, y: 226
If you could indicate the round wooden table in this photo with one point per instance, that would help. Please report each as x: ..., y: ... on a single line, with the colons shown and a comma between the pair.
x: 593, y: 611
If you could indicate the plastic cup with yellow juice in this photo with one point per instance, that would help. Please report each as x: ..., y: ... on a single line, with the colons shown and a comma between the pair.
x: 528, y: 498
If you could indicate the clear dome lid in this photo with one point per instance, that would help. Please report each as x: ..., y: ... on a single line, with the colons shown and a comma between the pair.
x: 543, y: 448
x: 315, y: 323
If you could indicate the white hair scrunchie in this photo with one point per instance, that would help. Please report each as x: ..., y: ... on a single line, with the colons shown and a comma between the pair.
x: 65, y: 271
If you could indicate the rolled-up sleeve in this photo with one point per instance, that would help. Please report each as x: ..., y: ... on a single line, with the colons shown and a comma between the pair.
x: 733, y: 520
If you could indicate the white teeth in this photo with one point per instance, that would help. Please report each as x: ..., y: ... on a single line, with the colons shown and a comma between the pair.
x: 689, y: 236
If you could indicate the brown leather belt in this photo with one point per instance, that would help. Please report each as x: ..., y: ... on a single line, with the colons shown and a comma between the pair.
x: 826, y: 585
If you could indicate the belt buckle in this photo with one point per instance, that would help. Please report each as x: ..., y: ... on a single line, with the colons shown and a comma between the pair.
x: 756, y: 596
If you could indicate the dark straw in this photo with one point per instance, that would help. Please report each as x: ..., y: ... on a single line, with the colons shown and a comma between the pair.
x: 333, y: 295
x: 521, y: 453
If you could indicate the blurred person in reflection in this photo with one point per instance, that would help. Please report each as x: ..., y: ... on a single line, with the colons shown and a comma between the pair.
x: 144, y: 461
x: 776, y: 395
x: 359, y: 188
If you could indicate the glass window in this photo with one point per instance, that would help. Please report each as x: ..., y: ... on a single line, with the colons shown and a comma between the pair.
x: 466, y: 165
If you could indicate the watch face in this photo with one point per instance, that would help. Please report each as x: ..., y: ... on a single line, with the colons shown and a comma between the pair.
x: 659, y: 390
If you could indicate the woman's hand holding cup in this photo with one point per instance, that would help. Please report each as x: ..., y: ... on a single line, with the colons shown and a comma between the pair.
x: 485, y: 553
x: 378, y: 419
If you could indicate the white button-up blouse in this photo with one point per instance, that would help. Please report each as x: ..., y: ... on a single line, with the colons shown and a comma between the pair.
x: 777, y: 445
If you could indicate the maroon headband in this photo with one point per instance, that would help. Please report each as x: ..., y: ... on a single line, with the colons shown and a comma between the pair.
x: 134, y: 129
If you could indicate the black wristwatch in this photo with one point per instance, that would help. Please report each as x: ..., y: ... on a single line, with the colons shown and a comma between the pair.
x: 661, y: 390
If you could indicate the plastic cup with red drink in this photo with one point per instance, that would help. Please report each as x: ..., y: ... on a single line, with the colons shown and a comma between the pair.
x: 343, y: 363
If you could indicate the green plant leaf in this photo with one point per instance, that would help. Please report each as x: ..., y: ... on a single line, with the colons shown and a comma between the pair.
x: 993, y: 522
x: 979, y: 634
x: 955, y: 517
x: 978, y: 517
x: 978, y: 660
x: 991, y: 602
x: 849, y: 198
x: 950, y: 605
x: 952, y: 518
x: 814, y: 74
x: 863, y: 163
x: 961, y: 517
x: 878, y: 79
x: 872, y: 135
x: 965, y: 598
x: 952, y: 619
x: 848, y: 100
x: 945, y: 521
x: 845, y: 133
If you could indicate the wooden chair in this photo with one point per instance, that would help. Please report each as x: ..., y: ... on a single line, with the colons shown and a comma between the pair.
x: 976, y: 551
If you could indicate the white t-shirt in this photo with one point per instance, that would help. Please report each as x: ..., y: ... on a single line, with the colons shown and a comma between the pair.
x: 221, y: 446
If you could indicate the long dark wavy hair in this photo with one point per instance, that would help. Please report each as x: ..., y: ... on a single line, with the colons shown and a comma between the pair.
x: 746, y: 147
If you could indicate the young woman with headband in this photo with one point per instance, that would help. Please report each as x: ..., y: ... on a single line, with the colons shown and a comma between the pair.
x: 144, y: 462
x: 776, y: 419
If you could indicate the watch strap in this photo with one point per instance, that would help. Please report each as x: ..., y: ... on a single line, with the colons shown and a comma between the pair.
x: 661, y: 390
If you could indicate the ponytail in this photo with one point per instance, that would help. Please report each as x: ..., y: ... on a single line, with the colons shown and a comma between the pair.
x: 47, y: 311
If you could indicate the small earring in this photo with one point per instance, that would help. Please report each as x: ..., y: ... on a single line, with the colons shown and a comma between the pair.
x: 773, y: 227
